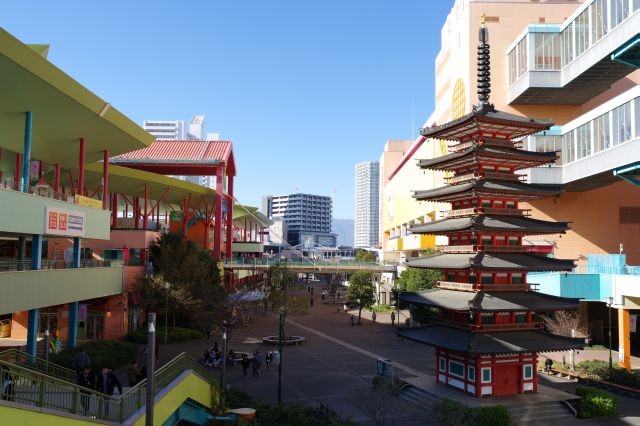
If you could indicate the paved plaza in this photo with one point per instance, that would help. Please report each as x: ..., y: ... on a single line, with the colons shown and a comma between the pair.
x: 337, y: 363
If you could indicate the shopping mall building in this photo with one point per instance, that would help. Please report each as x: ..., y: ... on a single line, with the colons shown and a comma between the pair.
x: 575, y: 63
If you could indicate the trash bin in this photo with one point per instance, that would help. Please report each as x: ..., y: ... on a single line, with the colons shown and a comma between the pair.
x: 276, y: 357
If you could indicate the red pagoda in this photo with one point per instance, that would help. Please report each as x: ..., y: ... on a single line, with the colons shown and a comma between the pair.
x: 488, y: 330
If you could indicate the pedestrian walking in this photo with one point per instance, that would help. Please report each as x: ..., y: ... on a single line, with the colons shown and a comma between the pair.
x: 353, y: 320
x: 324, y: 294
x: 87, y: 381
x: 393, y: 318
x: 311, y: 302
x: 548, y: 363
x: 245, y: 364
x: 373, y: 318
x: 80, y: 361
x: 338, y: 310
x: 133, y: 373
x: 8, y: 385
x: 106, y: 383
x: 255, y: 367
x: 268, y: 359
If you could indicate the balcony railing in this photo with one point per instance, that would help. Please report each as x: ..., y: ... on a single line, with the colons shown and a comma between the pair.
x: 490, y: 327
x: 457, y: 249
x: 482, y: 247
x: 502, y: 176
x: 39, y: 190
x: 487, y: 210
x: 25, y: 265
x: 460, y: 178
x: 486, y: 287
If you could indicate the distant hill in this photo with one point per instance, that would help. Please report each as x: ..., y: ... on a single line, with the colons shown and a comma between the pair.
x: 344, y: 229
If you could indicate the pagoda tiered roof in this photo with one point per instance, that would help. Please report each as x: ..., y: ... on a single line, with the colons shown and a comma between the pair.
x: 492, y: 262
x: 487, y: 301
x: 488, y: 187
x: 488, y: 223
x: 501, y: 342
x: 476, y: 154
x: 485, y: 120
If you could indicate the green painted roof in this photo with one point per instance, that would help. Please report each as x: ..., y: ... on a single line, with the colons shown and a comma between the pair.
x: 63, y: 110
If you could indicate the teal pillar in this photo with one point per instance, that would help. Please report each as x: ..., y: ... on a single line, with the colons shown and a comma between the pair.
x: 72, y: 321
x: 26, y: 154
x: 36, y: 252
x: 72, y: 335
x: 32, y: 331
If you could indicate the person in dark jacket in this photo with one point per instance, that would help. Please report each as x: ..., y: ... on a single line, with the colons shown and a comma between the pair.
x: 8, y: 385
x: 106, y: 383
x: 86, y: 380
x: 81, y: 361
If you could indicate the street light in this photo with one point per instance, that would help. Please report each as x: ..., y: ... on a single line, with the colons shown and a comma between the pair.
x: 359, y: 310
x: 609, y: 303
x: 167, y: 287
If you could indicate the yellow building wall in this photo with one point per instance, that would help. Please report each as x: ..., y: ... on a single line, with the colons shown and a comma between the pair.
x: 18, y: 417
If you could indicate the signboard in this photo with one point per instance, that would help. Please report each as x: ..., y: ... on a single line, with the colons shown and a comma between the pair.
x: 384, y: 368
x: 64, y: 222
x: 82, y: 313
x: 633, y: 323
x: 81, y: 200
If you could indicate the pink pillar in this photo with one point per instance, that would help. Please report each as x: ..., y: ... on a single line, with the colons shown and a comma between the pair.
x: 146, y: 213
x: 105, y: 179
x: 114, y: 210
x: 217, y: 226
x: 136, y: 212
x: 81, y: 168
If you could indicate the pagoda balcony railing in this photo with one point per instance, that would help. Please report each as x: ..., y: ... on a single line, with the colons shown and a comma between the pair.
x: 502, y: 176
x: 486, y: 287
x: 461, y: 178
x: 486, y: 210
x: 490, y: 327
x: 482, y: 247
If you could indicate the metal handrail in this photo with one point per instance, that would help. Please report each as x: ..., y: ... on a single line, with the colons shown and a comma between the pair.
x: 32, y: 362
x: 25, y: 265
x: 36, y: 388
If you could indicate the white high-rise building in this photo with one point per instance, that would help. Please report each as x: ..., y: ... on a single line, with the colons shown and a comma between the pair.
x: 196, y: 128
x: 367, y: 198
x: 165, y: 129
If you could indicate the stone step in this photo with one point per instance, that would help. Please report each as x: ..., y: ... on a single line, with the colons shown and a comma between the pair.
x: 417, y: 396
x: 554, y: 412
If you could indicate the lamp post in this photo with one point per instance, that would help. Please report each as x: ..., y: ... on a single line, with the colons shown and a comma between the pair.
x: 151, y: 367
x: 609, y: 303
x: 359, y: 310
x: 167, y: 287
x: 224, y: 367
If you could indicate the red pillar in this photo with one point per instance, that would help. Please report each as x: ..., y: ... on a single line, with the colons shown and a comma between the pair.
x: 41, y: 171
x: 114, y: 210
x: 184, y: 217
x: 81, y: 168
x: 136, y: 212
x: 146, y: 213
x: 18, y: 174
x: 244, y: 231
x: 105, y: 179
x: 229, y: 215
x: 217, y: 226
x: 56, y: 179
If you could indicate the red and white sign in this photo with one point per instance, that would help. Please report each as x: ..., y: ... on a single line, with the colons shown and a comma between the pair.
x: 64, y: 222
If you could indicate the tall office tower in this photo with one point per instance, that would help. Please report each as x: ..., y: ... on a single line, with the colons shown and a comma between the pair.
x: 196, y: 128
x: 165, y: 129
x: 308, y: 218
x: 367, y: 200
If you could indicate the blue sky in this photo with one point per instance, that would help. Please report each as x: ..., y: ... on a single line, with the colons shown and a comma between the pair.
x: 305, y: 89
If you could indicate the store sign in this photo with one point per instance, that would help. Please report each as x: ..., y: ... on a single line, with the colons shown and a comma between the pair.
x: 81, y: 200
x: 64, y: 222
x: 633, y: 323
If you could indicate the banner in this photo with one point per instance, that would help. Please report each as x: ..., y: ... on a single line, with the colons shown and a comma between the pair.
x: 633, y: 323
x: 81, y: 200
x: 64, y: 222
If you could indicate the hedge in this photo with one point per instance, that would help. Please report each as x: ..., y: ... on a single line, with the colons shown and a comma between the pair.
x: 451, y: 413
x: 175, y: 335
x: 600, y: 370
x: 596, y: 403
x: 102, y: 353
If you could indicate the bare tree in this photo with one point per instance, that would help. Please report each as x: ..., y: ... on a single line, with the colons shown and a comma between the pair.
x: 563, y: 322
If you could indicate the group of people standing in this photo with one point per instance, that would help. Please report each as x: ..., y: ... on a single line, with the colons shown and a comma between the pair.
x: 104, y: 382
x: 255, y: 362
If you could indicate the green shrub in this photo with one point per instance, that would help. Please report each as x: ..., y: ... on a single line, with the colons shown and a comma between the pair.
x: 175, y: 335
x: 102, y: 353
x: 596, y: 402
x: 592, y: 368
x: 383, y: 309
x: 600, y: 370
x: 451, y: 413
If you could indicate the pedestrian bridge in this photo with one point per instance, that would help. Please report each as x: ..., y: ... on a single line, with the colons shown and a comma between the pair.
x: 311, y: 266
x: 45, y: 393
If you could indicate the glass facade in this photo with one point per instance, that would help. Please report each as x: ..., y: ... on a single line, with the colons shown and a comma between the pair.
x: 554, y: 50
x: 612, y: 128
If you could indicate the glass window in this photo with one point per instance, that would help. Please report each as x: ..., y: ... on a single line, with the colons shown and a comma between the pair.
x: 567, y: 45
x: 486, y: 375
x: 513, y: 73
x: 601, y: 133
x: 621, y: 124
x: 528, y: 371
x: 636, y: 106
x: 547, y: 51
x: 456, y: 368
x: 442, y: 364
x: 522, y: 57
x: 583, y: 140
x: 599, y: 19
x: 619, y: 11
x: 472, y: 374
x: 582, y: 32
x: 568, y: 150
x: 636, y: 5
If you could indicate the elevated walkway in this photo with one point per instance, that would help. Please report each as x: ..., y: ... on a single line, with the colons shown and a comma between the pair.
x: 43, y: 393
x: 312, y: 266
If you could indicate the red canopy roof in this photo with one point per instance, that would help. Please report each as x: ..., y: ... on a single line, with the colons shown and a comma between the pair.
x: 181, y: 157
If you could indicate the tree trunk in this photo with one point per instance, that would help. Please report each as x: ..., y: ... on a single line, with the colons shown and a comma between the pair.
x: 359, y: 314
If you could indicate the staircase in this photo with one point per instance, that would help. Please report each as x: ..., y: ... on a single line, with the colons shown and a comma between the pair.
x: 45, y: 386
x: 542, y: 413
x: 417, y: 396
